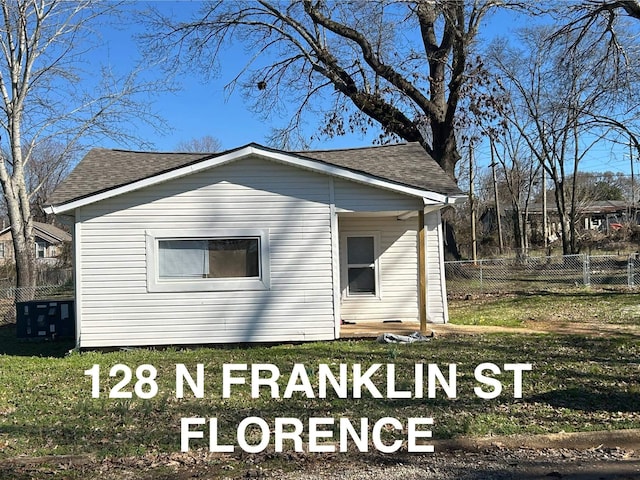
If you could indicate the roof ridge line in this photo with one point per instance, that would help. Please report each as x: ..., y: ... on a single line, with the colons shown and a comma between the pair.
x: 348, y: 149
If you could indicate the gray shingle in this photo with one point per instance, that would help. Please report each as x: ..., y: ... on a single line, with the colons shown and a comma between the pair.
x: 403, y: 163
x: 102, y: 169
x: 52, y: 232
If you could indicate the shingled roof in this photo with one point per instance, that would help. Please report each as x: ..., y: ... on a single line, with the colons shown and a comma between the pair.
x: 46, y: 231
x: 102, y: 170
x: 404, y: 163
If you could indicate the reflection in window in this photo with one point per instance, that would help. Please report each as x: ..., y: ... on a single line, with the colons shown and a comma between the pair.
x: 209, y: 258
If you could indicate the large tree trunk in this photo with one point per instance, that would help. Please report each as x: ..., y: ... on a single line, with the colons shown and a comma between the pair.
x: 566, y: 235
x: 445, y: 149
x: 24, y: 249
x: 22, y: 238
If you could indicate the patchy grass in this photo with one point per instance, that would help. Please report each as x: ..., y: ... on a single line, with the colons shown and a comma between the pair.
x: 577, y: 384
x: 597, y: 307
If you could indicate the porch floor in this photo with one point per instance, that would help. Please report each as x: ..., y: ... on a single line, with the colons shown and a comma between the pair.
x: 370, y: 329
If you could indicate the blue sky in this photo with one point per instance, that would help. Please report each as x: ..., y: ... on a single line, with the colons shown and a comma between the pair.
x: 196, y: 110
x: 202, y: 107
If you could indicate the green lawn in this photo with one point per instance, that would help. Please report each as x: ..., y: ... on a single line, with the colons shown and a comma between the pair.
x: 607, y: 307
x: 46, y: 408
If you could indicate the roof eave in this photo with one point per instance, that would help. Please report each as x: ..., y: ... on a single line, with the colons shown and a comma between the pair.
x: 444, y: 200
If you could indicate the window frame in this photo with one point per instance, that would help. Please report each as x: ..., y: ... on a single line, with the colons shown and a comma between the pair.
x: 194, y: 284
x: 376, y: 266
x: 41, y: 247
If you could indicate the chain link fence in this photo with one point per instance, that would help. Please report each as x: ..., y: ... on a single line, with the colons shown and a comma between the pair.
x: 531, y: 274
x: 59, y: 286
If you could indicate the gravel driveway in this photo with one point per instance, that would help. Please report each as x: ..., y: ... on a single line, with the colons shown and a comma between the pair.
x: 495, y: 464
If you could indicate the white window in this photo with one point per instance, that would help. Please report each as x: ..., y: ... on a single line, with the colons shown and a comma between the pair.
x: 41, y: 250
x: 362, y: 269
x: 207, y: 260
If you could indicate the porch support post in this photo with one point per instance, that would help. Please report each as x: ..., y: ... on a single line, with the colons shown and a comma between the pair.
x: 422, y: 273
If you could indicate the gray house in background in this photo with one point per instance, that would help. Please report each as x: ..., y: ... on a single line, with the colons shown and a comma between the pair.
x: 253, y: 244
x: 48, y: 242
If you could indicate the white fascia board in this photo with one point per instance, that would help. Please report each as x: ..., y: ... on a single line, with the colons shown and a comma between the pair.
x: 284, y: 158
x: 428, y: 208
x: 443, y: 200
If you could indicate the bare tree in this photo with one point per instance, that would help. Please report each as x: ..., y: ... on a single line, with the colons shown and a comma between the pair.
x: 50, y: 162
x: 42, y: 43
x: 403, y: 66
x: 206, y: 144
x: 520, y: 174
x: 553, y: 92
x: 601, y: 17
x: 609, y: 29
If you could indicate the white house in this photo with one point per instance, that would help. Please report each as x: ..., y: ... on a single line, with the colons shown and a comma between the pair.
x: 253, y: 244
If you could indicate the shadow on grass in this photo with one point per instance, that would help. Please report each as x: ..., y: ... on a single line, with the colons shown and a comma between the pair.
x: 588, y: 400
x: 9, y: 472
x: 599, y: 294
x: 11, y: 345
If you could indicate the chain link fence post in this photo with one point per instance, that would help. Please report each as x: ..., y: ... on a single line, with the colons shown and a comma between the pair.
x: 586, y: 270
x: 630, y: 272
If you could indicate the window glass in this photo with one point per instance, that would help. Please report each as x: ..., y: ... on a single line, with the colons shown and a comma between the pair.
x: 236, y: 257
x: 361, y: 265
x: 362, y: 280
x: 360, y: 250
x: 209, y: 258
x: 183, y: 258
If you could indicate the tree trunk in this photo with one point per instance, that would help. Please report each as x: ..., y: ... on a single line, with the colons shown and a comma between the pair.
x: 445, y: 149
x: 24, y: 249
x: 565, y: 234
x: 23, y: 242
x: 519, y: 231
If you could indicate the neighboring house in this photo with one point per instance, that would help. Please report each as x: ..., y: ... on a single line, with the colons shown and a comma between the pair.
x: 606, y: 216
x: 602, y: 215
x: 253, y: 244
x: 48, y: 242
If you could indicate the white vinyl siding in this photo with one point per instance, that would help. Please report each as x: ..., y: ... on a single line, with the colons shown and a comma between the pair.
x: 291, y: 204
x: 436, y: 292
x: 355, y: 197
x: 397, y: 298
x: 292, y: 212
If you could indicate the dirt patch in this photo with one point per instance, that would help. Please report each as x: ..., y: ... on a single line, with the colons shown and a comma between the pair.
x: 592, y: 328
x: 494, y: 461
